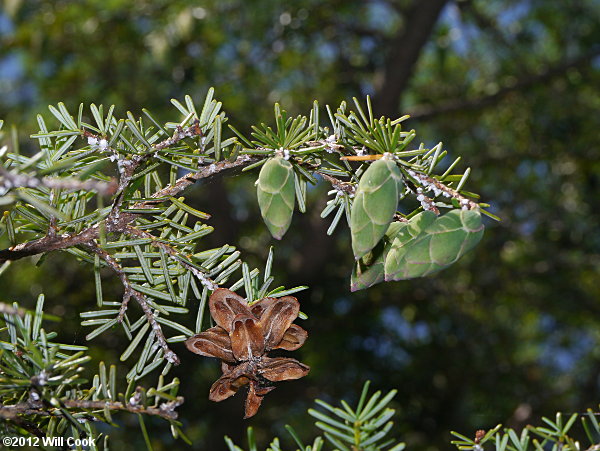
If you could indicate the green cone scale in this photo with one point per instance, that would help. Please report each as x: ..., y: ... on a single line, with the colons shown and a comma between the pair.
x: 276, y: 195
x: 403, y: 239
x: 368, y: 270
x: 374, y: 205
x: 438, y: 245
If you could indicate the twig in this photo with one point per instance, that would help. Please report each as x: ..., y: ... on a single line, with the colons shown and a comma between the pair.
x: 191, y: 178
x: 431, y: 184
x: 426, y: 202
x: 10, y: 180
x: 174, y: 254
x: 48, y: 243
x: 128, y: 167
x: 141, y: 299
x: 165, y: 410
x: 338, y: 184
x: 181, y: 133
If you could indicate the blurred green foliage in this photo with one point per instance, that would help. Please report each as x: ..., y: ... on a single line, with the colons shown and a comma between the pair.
x: 507, y: 335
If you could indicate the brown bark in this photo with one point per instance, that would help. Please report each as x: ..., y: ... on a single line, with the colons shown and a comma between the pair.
x: 404, y: 53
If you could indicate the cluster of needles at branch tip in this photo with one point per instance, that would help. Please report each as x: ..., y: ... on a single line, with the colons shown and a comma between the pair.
x: 242, y: 339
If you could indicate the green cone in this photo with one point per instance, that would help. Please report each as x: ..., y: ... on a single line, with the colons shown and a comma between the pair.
x: 374, y: 205
x: 276, y: 195
x: 438, y: 245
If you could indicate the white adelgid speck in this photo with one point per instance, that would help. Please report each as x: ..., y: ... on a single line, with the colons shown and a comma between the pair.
x: 92, y: 141
x: 43, y: 378
x: 34, y: 396
x: 464, y: 201
x: 330, y: 141
x: 171, y: 357
x: 103, y: 144
x: 361, y: 152
x: 286, y: 154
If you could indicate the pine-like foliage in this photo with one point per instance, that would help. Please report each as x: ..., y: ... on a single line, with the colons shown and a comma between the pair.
x: 560, y: 434
x: 362, y: 428
x: 44, y: 394
x: 109, y: 191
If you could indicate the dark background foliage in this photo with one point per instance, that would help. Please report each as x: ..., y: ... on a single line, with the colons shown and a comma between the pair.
x: 508, y: 334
